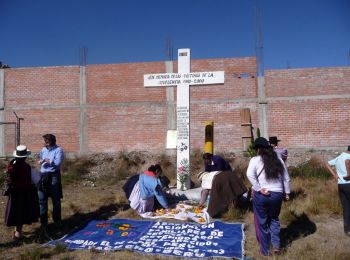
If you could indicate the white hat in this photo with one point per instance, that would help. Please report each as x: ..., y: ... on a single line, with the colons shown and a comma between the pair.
x: 21, y: 151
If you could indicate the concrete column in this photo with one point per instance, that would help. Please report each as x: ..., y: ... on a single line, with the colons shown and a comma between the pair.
x: 2, y: 113
x: 263, y: 126
x: 2, y: 89
x: 83, y: 118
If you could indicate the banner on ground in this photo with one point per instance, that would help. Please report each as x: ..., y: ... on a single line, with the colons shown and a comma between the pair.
x: 216, y: 239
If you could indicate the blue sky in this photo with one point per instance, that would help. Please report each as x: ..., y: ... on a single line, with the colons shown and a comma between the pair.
x: 296, y: 33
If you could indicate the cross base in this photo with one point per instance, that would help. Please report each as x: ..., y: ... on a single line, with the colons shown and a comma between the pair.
x: 190, y: 194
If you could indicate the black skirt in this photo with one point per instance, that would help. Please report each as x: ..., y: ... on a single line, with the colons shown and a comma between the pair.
x: 22, y: 207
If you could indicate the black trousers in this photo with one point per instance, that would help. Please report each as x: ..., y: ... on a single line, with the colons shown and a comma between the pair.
x: 344, y: 195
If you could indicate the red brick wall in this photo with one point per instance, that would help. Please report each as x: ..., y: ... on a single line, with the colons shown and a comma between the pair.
x: 122, y: 83
x: 222, y: 103
x: 49, y: 86
x: 227, y: 124
x: 306, y: 108
x: 307, y: 82
x: 309, y: 108
x: 48, y: 100
x: 130, y: 127
x: 311, y: 123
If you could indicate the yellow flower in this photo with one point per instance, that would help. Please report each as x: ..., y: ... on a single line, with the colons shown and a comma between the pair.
x: 201, y: 220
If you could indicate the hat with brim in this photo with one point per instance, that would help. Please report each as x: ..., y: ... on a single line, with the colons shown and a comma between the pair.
x: 273, y: 140
x: 21, y: 152
x: 261, y: 142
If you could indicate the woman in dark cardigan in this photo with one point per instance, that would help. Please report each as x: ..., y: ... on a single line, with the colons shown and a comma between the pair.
x: 227, y: 189
x: 23, y: 203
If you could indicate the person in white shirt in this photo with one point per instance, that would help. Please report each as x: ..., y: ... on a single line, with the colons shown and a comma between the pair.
x: 341, y: 173
x: 270, y: 184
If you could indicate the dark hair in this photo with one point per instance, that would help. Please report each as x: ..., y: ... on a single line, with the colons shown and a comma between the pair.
x: 272, y: 164
x: 50, y: 137
x: 164, y: 181
x: 155, y: 168
x: 349, y: 148
x: 207, y: 156
x: 261, y: 142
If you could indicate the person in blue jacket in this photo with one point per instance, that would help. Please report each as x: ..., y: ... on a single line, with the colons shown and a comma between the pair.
x: 50, y: 185
x: 147, y: 189
x: 215, y: 163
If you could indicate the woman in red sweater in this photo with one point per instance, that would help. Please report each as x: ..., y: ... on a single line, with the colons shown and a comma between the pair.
x: 23, y: 203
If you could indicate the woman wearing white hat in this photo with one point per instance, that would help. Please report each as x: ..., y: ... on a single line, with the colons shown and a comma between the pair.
x: 23, y: 203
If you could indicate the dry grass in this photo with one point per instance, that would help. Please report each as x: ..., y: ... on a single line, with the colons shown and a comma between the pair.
x: 311, y: 221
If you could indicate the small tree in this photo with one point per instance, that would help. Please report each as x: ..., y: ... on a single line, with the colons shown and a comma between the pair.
x: 251, y: 152
x: 258, y: 132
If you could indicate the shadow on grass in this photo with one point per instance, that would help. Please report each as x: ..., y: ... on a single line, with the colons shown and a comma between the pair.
x: 69, y: 225
x: 302, y: 226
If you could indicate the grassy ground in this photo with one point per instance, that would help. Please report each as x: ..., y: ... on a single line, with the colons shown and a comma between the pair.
x: 311, y: 221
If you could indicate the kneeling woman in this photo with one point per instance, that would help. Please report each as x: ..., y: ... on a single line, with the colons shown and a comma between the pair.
x: 146, y: 190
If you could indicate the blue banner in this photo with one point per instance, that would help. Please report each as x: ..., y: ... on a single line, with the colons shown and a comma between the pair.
x: 216, y: 239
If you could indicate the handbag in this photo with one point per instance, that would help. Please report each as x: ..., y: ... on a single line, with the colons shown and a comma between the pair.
x: 44, y: 183
x: 7, y: 183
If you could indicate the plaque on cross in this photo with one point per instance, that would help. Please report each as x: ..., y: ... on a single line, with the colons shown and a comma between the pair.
x: 182, y: 80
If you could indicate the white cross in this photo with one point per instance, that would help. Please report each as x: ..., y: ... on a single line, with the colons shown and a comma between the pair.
x: 183, y: 79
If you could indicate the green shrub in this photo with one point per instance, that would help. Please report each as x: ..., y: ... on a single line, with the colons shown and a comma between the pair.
x: 34, y: 254
x: 312, y: 169
x: 73, y: 170
x: 251, y: 152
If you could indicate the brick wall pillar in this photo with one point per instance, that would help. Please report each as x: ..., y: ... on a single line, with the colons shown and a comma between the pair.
x: 171, y: 113
x: 171, y: 106
x: 82, y: 112
x: 262, y: 107
x: 2, y: 115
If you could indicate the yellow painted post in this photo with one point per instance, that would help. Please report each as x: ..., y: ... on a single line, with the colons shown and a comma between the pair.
x: 209, y: 137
